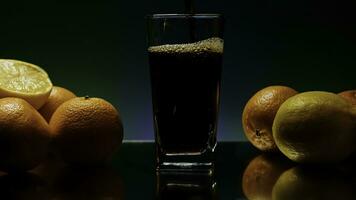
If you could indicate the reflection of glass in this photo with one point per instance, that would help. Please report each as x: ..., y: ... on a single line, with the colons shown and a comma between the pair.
x: 186, y: 186
x: 261, y: 174
x: 185, y: 56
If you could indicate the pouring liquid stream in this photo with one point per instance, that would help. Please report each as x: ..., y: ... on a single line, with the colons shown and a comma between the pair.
x: 190, y: 9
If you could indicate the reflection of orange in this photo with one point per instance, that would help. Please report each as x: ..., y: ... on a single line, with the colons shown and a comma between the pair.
x: 58, y: 96
x: 261, y: 174
x: 49, y: 169
x: 24, y: 135
x: 87, y: 131
x: 259, y: 113
x: 94, y: 183
x: 67, y: 183
x: 349, y: 95
x: 23, y: 186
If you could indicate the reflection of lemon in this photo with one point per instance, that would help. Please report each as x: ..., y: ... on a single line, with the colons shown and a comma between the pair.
x: 312, y: 183
x: 315, y: 127
x: 24, y: 80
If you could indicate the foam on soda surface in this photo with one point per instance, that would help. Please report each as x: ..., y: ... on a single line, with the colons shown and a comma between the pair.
x: 214, y: 45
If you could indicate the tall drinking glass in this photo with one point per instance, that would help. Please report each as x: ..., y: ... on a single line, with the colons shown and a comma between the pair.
x: 185, y: 58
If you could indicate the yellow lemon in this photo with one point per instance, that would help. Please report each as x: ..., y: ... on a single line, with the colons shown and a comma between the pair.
x: 24, y: 80
x: 315, y: 127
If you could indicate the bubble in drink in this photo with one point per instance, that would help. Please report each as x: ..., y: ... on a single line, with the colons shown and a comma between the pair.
x: 211, y: 45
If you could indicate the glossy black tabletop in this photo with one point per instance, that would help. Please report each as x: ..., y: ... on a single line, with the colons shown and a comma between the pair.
x: 241, y: 173
x: 136, y: 163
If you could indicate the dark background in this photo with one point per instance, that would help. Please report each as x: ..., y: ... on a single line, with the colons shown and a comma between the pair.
x: 99, y: 49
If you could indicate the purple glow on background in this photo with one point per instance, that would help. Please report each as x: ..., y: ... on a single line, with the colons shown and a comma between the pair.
x: 145, y: 129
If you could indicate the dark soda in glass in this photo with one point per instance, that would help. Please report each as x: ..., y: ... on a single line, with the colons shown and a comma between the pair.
x: 185, y: 81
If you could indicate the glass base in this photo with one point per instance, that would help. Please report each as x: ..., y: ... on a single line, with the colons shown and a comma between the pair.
x: 187, y: 162
x: 186, y: 167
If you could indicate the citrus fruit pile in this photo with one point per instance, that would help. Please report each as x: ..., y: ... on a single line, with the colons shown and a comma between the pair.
x: 308, y: 127
x: 36, y: 117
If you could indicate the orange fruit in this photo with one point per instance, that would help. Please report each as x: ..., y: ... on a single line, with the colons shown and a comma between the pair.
x: 58, y: 96
x: 259, y: 113
x: 349, y: 95
x: 24, y: 135
x: 87, y: 131
x: 261, y: 174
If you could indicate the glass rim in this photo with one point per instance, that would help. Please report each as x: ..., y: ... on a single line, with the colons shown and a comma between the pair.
x: 182, y: 16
